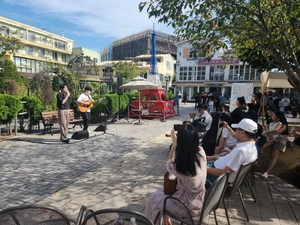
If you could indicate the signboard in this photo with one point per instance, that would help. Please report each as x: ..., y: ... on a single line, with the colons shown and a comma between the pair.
x: 239, y: 90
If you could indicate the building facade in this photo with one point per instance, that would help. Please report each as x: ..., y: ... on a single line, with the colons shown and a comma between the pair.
x: 165, y: 69
x: 94, y: 55
x: 217, y: 75
x: 141, y: 44
x: 41, y: 47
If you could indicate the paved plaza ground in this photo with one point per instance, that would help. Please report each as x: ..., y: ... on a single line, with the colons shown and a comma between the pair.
x: 118, y: 171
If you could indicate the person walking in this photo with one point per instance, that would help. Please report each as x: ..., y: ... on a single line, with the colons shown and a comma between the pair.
x: 85, y: 101
x: 197, y: 100
x: 63, y: 106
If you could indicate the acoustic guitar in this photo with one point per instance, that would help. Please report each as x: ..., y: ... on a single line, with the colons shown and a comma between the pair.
x: 84, y: 108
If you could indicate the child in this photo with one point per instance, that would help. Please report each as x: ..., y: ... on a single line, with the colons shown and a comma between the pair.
x: 210, y: 105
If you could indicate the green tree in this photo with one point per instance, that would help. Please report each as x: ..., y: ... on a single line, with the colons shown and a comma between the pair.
x: 11, y: 108
x: 11, y: 81
x: 103, y: 88
x: 8, y: 44
x: 264, y: 33
x: 127, y: 70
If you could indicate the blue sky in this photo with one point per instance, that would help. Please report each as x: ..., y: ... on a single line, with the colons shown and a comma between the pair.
x: 92, y: 24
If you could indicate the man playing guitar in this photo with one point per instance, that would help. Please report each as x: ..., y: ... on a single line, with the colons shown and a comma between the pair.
x: 85, y: 102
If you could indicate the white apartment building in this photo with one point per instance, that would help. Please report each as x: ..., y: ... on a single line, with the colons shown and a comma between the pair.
x: 165, y: 68
x: 197, y: 75
x: 41, y: 47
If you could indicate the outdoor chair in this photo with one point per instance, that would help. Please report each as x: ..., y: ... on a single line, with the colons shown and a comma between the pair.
x: 115, y: 217
x: 212, y: 199
x: 33, y: 215
x: 238, y: 182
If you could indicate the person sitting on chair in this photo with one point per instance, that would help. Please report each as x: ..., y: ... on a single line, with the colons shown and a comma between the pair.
x: 244, y: 152
x: 204, y: 118
x: 187, y: 161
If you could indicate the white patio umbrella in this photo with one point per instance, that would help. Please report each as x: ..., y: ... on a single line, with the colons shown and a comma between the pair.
x: 139, y: 83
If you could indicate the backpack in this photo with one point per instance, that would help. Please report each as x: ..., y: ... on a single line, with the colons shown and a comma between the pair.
x: 200, y: 124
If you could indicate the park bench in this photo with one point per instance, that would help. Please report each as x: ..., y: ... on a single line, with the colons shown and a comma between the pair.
x: 50, y: 119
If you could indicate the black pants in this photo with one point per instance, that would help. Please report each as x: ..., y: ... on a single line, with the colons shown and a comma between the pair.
x: 86, y: 116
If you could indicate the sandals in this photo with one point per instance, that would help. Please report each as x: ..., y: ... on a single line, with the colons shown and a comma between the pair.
x: 264, y: 175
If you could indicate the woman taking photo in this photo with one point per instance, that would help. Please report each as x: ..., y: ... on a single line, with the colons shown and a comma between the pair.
x: 187, y: 161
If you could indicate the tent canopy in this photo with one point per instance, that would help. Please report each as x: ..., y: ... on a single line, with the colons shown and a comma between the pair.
x: 278, y: 80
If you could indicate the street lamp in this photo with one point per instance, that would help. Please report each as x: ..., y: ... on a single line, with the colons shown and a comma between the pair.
x: 167, y: 79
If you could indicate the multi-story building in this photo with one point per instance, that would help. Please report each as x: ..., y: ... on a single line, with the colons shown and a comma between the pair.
x: 217, y: 75
x: 93, y: 55
x: 165, y: 68
x: 41, y: 47
x: 141, y: 44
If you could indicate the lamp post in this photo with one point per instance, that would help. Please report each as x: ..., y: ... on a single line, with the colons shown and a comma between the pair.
x: 167, y: 79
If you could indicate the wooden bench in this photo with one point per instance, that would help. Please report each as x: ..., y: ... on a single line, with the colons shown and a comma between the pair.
x: 50, y: 119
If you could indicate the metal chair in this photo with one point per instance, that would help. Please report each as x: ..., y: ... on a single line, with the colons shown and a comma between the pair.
x: 211, y: 203
x: 33, y: 215
x: 115, y: 217
x: 239, y: 180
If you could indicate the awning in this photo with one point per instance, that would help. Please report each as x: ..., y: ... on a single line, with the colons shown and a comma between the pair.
x: 278, y: 80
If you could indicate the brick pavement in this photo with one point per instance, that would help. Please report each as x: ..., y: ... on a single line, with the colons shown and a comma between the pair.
x: 118, y: 171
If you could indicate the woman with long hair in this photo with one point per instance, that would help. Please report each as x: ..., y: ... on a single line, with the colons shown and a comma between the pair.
x: 187, y: 161
x: 237, y: 114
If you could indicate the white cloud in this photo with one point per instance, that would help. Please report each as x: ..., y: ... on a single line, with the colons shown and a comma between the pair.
x: 103, y: 18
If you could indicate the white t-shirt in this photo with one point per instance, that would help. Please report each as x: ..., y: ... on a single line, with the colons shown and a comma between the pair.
x: 229, y: 139
x: 208, y: 120
x: 244, y: 152
x: 84, y: 97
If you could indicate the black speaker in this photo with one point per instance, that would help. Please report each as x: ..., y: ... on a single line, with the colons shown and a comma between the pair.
x: 119, y: 83
x: 80, y: 134
x: 101, y: 127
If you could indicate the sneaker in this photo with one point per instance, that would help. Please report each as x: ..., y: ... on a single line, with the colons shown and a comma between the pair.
x: 264, y: 175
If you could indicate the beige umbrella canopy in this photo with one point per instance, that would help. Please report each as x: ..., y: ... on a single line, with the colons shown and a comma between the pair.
x: 139, y: 83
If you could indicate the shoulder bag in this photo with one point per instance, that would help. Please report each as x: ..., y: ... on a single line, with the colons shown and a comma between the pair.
x: 170, y: 182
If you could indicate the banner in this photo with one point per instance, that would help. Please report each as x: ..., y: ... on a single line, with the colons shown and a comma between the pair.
x: 239, y: 90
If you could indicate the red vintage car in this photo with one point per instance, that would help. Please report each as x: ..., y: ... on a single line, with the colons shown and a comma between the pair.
x: 153, y: 104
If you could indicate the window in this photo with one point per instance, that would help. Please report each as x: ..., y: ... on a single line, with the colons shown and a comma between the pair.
x: 95, y: 60
x: 191, y: 53
x: 54, y: 55
x: 64, y: 58
x: 29, y: 50
x: 168, y: 64
x: 234, y: 72
x: 183, y: 73
x: 190, y: 73
x: 41, y: 53
x: 200, y: 74
x: 31, y: 37
x: 216, y: 73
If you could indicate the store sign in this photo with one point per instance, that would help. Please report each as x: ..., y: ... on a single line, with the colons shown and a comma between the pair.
x: 218, y: 62
x: 239, y: 90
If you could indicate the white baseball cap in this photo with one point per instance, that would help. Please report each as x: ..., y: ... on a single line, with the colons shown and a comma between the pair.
x: 246, y: 125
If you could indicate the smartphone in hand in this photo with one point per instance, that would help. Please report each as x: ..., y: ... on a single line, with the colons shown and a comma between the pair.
x: 177, y: 126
